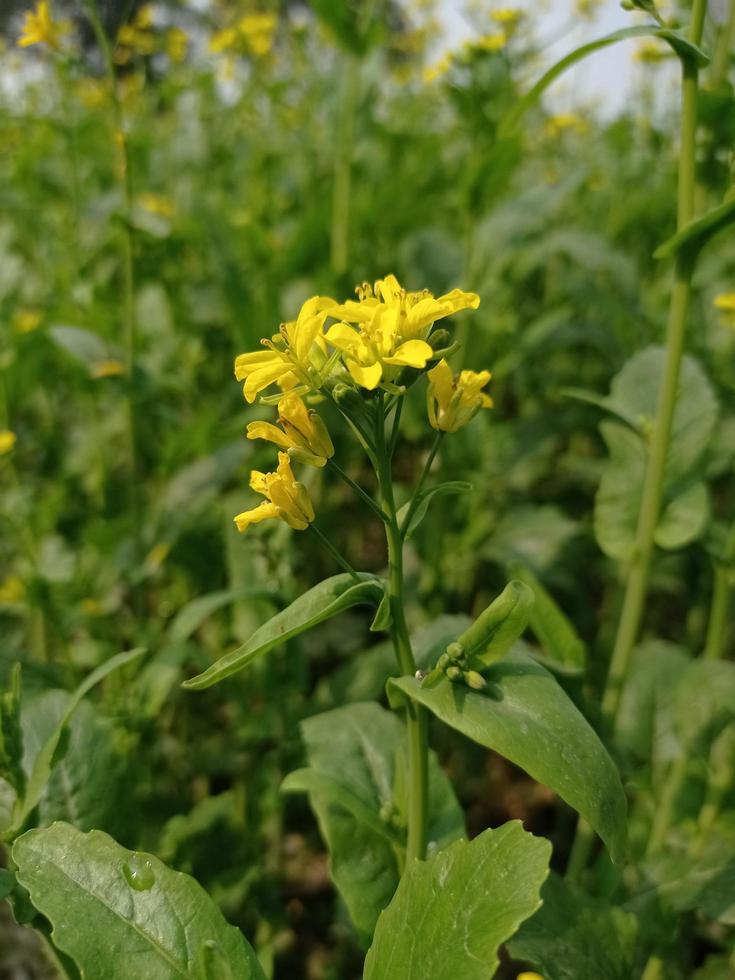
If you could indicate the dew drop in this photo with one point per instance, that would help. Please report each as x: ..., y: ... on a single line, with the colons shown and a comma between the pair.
x: 138, y: 872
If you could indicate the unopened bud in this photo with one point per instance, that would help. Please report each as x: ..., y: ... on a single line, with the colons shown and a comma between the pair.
x: 455, y: 651
x: 440, y: 339
x: 347, y: 397
x: 474, y: 680
x: 453, y: 673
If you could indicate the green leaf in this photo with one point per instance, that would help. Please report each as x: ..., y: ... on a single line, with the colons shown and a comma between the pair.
x: 119, y: 913
x: 496, y: 629
x: 45, y: 759
x: 693, y: 237
x: 525, y: 716
x: 554, y: 631
x: 425, y: 498
x: 703, y: 882
x: 11, y: 735
x: 325, y: 600
x: 191, y: 616
x: 683, y: 48
x: 574, y: 935
x: 685, y: 505
x: 451, y: 913
x: 705, y: 703
x: 357, y: 787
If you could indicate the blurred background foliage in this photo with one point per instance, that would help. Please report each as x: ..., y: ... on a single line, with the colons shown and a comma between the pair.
x: 253, y: 155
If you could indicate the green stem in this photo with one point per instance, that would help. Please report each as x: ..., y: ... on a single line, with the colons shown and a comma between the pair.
x: 665, y: 805
x: 338, y: 557
x: 416, y: 718
x: 128, y: 268
x: 721, y: 598
x: 654, y: 969
x: 638, y: 578
x: 723, y: 50
x: 358, y: 490
x: 636, y: 589
x: 422, y: 479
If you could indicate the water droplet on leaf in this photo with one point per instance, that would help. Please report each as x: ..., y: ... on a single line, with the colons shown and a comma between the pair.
x: 138, y: 872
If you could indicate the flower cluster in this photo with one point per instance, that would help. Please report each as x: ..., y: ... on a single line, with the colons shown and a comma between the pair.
x: 39, y: 27
x: 375, y: 343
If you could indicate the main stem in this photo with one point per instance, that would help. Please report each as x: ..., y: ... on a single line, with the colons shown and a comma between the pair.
x: 416, y: 719
x: 638, y: 579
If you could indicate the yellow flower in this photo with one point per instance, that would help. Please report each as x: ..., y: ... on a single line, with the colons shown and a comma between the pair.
x: 507, y: 16
x: 489, y: 42
x: 564, y: 121
x: 12, y: 589
x: 296, y: 354
x: 302, y: 434
x: 25, y: 321
x: 725, y: 302
x: 529, y: 976
x: 417, y: 310
x: 40, y: 28
x: 652, y: 52
x: 258, y: 32
x: 286, y: 498
x: 452, y: 401
x: 438, y: 69
x: 7, y: 441
x: 111, y: 368
x: 375, y: 350
x: 176, y: 44
x: 157, y: 204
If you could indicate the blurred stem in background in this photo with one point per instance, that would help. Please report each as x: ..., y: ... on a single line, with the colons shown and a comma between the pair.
x: 636, y: 586
x: 723, y: 49
x: 722, y: 593
x: 128, y: 275
x: 344, y: 144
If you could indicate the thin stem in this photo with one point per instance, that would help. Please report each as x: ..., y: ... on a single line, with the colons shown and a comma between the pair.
x: 723, y: 50
x: 638, y: 579
x: 396, y: 427
x: 654, y: 969
x: 665, y: 805
x: 416, y: 718
x: 636, y: 589
x: 127, y: 262
x: 358, y: 490
x: 422, y: 479
x: 338, y: 557
x: 721, y: 601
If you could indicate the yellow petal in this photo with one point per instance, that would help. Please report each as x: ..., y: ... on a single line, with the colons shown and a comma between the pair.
x: 388, y: 289
x: 245, y: 364
x: 262, y: 377
x: 366, y: 376
x: 414, y: 353
x: 345, y: 338
x: 442, y: 383
x: 260, y: 513
x: 265, y: 430
x: 459, y: 300
x: 354, y: 312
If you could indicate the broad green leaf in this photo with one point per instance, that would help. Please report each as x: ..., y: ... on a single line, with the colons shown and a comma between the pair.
x: 703, y: 881
x: 525, y: 716
x: 122, y: 914
x: 86, y: 786
x: 575, y: 936
x: 327, y: 599
x: 683, y: 48
x: 685, y: 507
x: 425, y: 498
x: 693, y: 237
x: 556, y: 634
x: 357, y: 787
x: 194, y: 613
x: 705, y: 703
x: 532, y: 535
x: 44, y: 761
x: 452, y: 912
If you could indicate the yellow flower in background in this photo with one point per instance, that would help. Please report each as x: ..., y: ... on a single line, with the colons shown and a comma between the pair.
x: 8, y: 440
x: 12, y: 589
x: 725, y: 302
x: 92, y: 92
x: 258, y: 31
x: 157, y: 204
x: 136, y: 37
x: 507, y: 16
x: 565, y: 122
x: 286, y: 498
x: 652, y: 52
x: 452, y: 401
x: 176, y: 44
x: 488, y: 42
x: 40, y: 28
x: 111, y: 368
x: 294, y: 355
x: 302, y: 434
x: 529, y: 976
x: 438, y: 69
x: 25, y: 321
